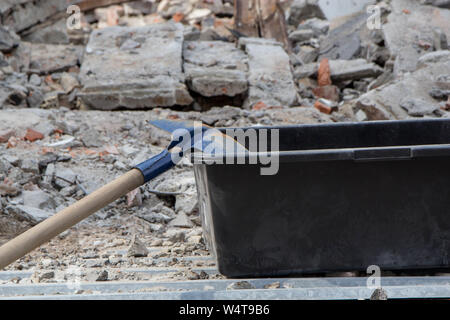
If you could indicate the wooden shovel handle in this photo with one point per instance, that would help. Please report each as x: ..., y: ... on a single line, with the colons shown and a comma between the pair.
x: 63, y: 220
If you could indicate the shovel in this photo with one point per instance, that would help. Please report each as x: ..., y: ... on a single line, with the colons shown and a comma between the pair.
x: 141, y: 174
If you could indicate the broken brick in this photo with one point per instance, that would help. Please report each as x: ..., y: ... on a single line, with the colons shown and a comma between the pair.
x: 33, y: 135
x: 259, y: 106
x: 328, y: 92
x: 324, y: 73
x: 178, y: 17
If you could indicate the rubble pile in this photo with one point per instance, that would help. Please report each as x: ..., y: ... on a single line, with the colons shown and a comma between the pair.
x: 74, y: 103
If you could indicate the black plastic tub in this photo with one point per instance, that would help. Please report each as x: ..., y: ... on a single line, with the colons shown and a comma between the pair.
x: 347, y: 196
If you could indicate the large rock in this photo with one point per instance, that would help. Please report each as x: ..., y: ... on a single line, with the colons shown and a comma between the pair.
x: 22, y: 14
x: 134, y: 68
x: 270, y: 76
x: 410, y: 34
x: 399, y: 100
x: 346, y: 41
x: 215, y: 68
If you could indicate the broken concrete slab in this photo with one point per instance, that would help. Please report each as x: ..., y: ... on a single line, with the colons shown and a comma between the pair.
x: 270, y: 77
x: 8, y: 39
x: 342, y: 70
x: 22, y: 14
x: 345, y: 42
x: 55, y: 33
x: 433, y: 57
x: 410, y: 24
x: 215, y: 68
x: 384, y: 103
x: 49, y: 58
x: 147, y: 75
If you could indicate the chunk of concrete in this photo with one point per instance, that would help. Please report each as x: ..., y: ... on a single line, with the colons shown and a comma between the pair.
x: 49, y: 58
x: 22, y: 14
x: 345, y: 42
x: 404, y: 32
x: 215, y: 68
x: 387, y: 100
x: 8, y: 39
x: 342, y: 70
x: 270, y: 77
x: 145, y: 75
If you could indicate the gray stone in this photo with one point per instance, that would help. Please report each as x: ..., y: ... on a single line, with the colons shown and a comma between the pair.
x: 30, y: 165
x: 137, y: 248
x: 241, y: 285
x: 307, y: 54
x: 403, y: 32
x: 35, y: 80
x: 38, y: 199
x: 301, y: 35
x: 379, y: 294
x: 22, y: 14
x: 215, y: 68
x: 418, y: 107
x: 342, y: 70
x: 387, y: 99
x: 8, y: 39
x: 433, y: 57
x: 103, y: 276
x: 64, y: 177
x: 69, y: 82
x: 344, y: 42
x: 175, y: 235
x: 35, y: 97
x: 91, y: 138
x: 437, y: 3
x: 49, y: 58
x: 304, y: 9
x: 270, y: 77
x: 148, y: 76
x: 31, y: 214
x: 318, y: 26
x: 181, y: 221
x: 55, y: 33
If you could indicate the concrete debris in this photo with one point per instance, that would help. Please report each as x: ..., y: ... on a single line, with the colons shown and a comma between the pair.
x: 384, y: 102
x: 418, y: 107
x: 8, y: 39
x: 49, y: 58
x: 114, y: 78
x: 181, y: 221
x: 137, y: 248
x: 406, y: 33
x: 270, y: 77
x: 215, y: 68
x: 182, y: 60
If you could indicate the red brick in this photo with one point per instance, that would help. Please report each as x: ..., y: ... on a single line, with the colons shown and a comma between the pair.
x: 33, y: 135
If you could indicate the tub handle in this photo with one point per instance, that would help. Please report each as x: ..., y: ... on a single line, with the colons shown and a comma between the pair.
x: 383, y: 154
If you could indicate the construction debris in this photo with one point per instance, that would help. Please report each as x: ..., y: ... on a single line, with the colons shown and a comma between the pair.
x: 259, y: 63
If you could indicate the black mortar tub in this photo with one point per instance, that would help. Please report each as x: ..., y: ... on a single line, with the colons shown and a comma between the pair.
x: 346, y: 196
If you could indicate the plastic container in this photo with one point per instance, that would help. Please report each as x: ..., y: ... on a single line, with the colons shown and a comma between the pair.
x: 347, y: 196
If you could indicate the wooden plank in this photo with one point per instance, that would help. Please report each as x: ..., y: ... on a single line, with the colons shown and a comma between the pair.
x: 261, y: 18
